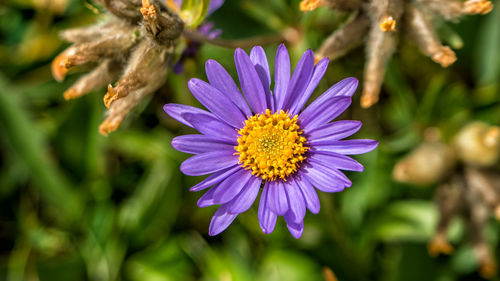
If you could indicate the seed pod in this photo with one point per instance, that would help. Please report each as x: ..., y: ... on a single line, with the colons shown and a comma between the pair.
x: 428, y: 164
x: 478, y: 144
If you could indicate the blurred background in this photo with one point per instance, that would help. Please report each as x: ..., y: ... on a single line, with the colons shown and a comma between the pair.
x: 76, y: 205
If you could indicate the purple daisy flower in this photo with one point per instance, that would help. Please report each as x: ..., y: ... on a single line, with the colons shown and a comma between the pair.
x: 264, y: 140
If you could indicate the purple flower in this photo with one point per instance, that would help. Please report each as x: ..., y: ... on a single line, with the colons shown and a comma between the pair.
x: 263, y: 139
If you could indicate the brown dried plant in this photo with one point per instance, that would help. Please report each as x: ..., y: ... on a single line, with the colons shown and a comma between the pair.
x: 133, y: 45
x: 467, y: 173
x: 378, y: 21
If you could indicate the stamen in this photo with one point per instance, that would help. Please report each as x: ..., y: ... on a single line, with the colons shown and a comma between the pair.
x: 271, y: 145
x: 387, y: 24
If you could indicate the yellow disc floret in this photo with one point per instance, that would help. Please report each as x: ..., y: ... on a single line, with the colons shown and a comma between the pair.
x: 271, y: 145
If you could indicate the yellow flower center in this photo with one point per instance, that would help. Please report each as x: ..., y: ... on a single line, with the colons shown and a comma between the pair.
x: 271, y: 145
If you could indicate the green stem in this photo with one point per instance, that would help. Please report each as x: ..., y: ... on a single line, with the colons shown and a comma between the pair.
x: 238, y: 43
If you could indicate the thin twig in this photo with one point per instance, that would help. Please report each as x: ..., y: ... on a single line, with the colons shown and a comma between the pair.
x: 238, y: 43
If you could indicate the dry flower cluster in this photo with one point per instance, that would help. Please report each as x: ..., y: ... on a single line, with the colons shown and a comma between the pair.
x: 378, y: 21
x: 469, y: 184
x: 134, y: 45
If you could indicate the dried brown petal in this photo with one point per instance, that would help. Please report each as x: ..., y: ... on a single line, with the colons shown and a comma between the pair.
x: 145, y: 64
x: 344, y: 39
x: 421, y: 31
x: 380, y: 47
x: 92, y: 33
x: 102, y: 75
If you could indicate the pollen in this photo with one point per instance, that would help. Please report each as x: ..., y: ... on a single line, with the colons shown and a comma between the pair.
x: 272, y: 145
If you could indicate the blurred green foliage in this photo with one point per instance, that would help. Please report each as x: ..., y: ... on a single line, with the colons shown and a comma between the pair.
x: 79, y: 206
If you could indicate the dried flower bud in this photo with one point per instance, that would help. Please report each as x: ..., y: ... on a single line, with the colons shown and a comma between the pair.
x: 478, y: 144
x: 427, y: 164
x: 138, y: 43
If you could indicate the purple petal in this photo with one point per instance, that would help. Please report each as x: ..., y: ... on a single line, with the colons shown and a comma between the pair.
x: 214, y: 33
x: 300, y: 79
x: 267, y: 219
x: 319, y: 71
x: 332, y: 171
x: 220, y: 221
x: 333, y: 131
x: 211, y: 126
x: 215, y: 178
x: 310, y: 195
x: 246, y: 197
x: 205, y: 28
x: 231, y: 186
x: 209, y: 162
x: 250, y: 82
x: 295, y: 229
x: 177, y: 110
x: 324, y: 113
x: 207, y: 199
x: 214, y: 5
x: 344, y: 88
x: 259, y: 60
x: 216, y: 102
x: 297, y: 208
x: 281, y: 76
x: 322, y: 178
x: 338, y: 161
x: 348, y: 147
x: 277, y: 199
x: 196, y: 144
x: 220, y: 79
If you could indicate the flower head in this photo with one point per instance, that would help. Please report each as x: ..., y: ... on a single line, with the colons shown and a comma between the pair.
x: 265, y: 139
x: 134, y: 47
x: 377, y: 22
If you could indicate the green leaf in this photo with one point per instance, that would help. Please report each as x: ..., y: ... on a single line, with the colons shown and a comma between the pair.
x: 26, y: 139
x: 410, y: 220
x: 488, y: 59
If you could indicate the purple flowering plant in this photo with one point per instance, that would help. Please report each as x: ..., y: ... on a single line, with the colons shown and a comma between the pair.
x: 259, y: 138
